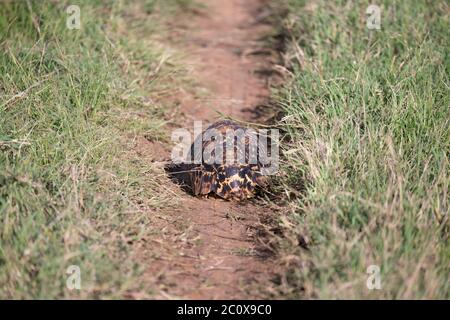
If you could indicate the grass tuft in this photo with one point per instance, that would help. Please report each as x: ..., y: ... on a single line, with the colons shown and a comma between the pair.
x: 366, y: 117
x: 73, y: 191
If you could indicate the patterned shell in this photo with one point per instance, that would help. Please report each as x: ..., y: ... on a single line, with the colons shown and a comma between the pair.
x: 232, y: 173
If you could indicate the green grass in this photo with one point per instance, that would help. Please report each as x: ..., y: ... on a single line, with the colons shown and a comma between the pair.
x: 366, y: 116
x: 72, y: 191
x: 366, y: 168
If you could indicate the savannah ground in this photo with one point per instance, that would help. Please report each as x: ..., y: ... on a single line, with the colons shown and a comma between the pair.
x: 85, y: 123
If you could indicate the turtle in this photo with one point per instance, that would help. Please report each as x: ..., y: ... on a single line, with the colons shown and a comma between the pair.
x: 233, y: 178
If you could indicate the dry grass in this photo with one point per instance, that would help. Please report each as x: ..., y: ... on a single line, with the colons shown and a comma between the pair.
x: 366, y: 169
x: 73, y: 191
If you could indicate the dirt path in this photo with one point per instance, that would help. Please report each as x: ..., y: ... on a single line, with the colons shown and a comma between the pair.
x: 207, y: 247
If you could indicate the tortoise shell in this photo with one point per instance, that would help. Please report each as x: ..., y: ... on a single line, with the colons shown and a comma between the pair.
x: 229, y: 164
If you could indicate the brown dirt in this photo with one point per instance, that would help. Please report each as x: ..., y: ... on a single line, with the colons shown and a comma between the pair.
x: 207, y: 248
